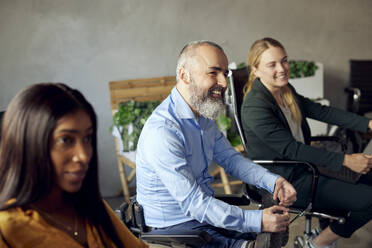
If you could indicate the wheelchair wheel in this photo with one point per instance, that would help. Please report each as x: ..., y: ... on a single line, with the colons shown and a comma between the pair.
x: 299, y: 242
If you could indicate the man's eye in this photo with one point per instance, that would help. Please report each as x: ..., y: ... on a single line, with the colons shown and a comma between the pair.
x: 213, y: 73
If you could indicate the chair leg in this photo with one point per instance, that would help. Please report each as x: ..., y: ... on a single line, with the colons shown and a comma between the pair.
x: 124, y: 181
x: 132, y: 174
x: 225, y: 181
x: 308, y: 225
x: 299, y: 242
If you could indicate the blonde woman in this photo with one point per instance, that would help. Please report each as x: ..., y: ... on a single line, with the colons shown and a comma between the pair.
x: 275, y: 126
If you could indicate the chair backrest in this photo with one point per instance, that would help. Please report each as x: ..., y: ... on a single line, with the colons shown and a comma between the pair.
x: 145, y: 89
x: 361, y: 78
x: 237, y: 80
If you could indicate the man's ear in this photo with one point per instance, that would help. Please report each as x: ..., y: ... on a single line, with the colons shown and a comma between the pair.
x: 184, y: 75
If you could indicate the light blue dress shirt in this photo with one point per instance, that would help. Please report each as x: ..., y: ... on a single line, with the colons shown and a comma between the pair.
x: 173, y: 183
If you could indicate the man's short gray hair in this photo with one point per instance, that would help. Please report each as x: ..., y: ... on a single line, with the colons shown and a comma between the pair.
x: 186, y: 52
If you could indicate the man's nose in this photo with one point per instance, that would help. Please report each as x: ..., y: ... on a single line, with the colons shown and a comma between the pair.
x: 222, y: 80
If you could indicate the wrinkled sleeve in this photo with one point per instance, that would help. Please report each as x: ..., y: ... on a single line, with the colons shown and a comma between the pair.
x: 266, y: 125
x: 166, y: 150
x: 240, y: 167
x: 333, y: 116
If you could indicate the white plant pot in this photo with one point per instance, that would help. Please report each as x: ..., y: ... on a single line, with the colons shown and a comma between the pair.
x: 311, y: 87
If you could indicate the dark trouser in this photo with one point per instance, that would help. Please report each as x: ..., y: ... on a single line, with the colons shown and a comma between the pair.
x: 333, y: 194
x: 220, y: 237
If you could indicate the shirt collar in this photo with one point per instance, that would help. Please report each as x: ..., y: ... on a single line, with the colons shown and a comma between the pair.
x: 181, y: 107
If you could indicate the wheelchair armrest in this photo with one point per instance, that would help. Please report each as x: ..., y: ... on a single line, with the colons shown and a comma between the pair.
x: 312, y: 168
x: 138, y: 226
x: 138, y: 218
x: 236, y: 200
x: 339, y: 140
x: 121, y: 212
x: 192, y: 237
x: 355, y: 91
x: 326, y: 138
x: 354, y: 97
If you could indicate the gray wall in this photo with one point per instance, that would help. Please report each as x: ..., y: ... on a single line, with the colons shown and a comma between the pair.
x: 87, y: 43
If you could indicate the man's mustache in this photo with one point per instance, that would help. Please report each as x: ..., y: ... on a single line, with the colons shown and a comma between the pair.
x: 217, y: 88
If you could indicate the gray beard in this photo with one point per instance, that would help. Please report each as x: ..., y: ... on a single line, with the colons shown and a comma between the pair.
x: 206, y: 106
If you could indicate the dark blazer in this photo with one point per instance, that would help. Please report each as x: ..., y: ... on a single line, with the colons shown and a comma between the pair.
x: 269, y: 137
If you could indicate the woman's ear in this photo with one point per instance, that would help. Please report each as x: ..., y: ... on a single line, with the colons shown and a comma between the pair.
x: 255, y: 71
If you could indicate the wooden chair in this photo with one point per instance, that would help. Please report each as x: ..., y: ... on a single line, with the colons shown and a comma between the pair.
x: 225, y: 181
x: 147, y: 89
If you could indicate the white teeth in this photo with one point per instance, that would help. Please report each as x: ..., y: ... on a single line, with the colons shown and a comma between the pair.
x: 216, y: 92
x: 281, y: 77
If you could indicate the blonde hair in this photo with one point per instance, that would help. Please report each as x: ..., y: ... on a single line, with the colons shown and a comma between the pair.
x: 254, y: 59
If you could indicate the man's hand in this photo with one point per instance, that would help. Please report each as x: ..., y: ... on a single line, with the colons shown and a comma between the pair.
x: 285, y: 192
x: 370, y: 125
x: 358, y: 162
x: 275, y: 219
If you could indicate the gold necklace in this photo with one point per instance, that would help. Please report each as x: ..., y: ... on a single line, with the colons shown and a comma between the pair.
x: 59, y: 223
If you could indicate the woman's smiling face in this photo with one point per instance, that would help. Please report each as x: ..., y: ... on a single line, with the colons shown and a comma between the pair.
x: 273, y: 69
x: 71, y: 150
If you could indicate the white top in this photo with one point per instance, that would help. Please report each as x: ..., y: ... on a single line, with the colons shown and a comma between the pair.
x: 295, y: 128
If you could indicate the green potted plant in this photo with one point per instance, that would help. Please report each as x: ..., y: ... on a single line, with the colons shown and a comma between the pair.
x: 302, y: 68
x: 129, y: 120
x: 224, y: 124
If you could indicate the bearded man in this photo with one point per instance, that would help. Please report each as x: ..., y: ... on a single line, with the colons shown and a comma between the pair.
x: 177, y: 145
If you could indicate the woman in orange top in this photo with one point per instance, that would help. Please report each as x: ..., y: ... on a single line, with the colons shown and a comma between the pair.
x: 49, y: 192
